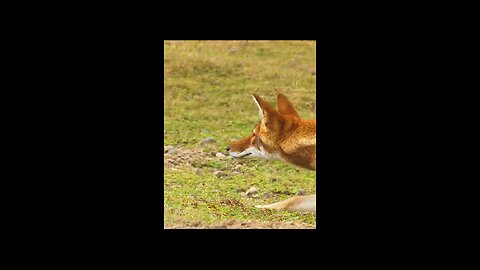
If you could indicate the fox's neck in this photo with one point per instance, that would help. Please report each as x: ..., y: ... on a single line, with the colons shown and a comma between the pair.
x: 304, y: 160
x: 300, y: 147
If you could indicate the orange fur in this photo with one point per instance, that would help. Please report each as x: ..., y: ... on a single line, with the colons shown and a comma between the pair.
x: 283, y: 135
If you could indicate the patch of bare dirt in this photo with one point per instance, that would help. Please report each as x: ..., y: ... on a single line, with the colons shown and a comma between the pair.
x: 177, y: 157
x: 197, y: 159
x: 233, y: 224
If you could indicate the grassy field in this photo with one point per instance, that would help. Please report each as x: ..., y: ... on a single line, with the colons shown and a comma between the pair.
x: 208, y: 87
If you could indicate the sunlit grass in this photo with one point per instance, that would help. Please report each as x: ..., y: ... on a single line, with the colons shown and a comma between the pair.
x: 208, y: 87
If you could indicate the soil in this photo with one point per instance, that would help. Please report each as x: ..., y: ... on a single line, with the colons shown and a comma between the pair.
x: 196, y: 160
x: 242, y: 225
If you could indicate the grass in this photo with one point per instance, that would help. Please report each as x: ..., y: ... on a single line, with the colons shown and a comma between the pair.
x: 208, y: 87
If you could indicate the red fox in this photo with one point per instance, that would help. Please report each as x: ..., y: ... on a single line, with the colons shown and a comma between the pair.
x: 282, y: 135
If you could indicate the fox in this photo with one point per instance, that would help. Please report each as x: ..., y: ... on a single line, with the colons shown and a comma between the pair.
x: 282, y: 135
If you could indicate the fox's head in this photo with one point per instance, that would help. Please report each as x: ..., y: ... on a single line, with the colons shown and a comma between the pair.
x: 267, y: 137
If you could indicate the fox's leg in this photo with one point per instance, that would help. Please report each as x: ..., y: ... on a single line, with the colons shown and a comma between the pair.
x: 295, y: 204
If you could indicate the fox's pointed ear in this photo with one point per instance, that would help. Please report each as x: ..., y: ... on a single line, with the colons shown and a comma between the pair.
x: 285, y: 107
x: 270, y: 117
x: 263, y: 107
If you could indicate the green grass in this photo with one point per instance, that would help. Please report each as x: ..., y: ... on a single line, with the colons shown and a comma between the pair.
x: 208, y: 87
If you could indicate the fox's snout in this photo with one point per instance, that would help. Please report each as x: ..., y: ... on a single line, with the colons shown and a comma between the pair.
x: 239, y: 146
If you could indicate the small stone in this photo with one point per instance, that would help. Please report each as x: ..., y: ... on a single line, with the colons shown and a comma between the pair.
x: 219, y: 155
x: 164, y: 131
x: 167, y: 148
x: 301, y: 192
x: 252, y: 190
x: 199, y: 172
x: 173, y: 151
x: 196, y: 224
x: 219, y: 174
x: 207, y: 140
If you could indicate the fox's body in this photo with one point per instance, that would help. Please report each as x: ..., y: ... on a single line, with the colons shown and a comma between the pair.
x: 281, y: 135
